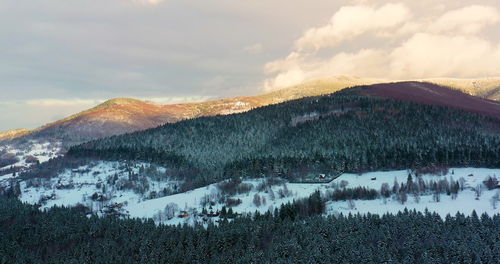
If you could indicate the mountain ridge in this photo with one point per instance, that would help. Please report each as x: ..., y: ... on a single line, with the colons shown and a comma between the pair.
x: 124, y: 115
x: 13, y: 133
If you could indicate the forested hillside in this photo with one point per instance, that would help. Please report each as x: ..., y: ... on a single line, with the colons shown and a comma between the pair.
x: 125, y: 115
x: 285, y: 236
x: 344, y: 131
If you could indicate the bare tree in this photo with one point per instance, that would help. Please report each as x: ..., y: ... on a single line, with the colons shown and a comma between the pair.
x: 495, y: 199
x: 436, y: 196
x: 491, y: 182
x: 257, y: 200
x: 350, y: 204
x: 272, y: 196
x: 478, y: 190
x: 385, y: 190
x: 462, y: 182
x: 416, y: 197
x: 170, y: 210
x: 343, y: 183
x: 395, y: 186
x: 402, y: 197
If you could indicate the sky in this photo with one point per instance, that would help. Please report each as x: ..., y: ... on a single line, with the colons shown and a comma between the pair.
x: 58, y: 57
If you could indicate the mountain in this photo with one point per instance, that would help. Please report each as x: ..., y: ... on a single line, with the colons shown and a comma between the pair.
x: 125, y: 115
x: 428, y: 93
x: 488, y: 88
x: 14, y: 133
x: 359, y: 129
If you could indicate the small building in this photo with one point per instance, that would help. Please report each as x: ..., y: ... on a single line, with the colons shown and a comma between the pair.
x: 183, y: 214
x: 322, y: 176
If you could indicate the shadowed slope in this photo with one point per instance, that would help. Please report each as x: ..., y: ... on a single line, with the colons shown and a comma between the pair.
x: 427, y: 93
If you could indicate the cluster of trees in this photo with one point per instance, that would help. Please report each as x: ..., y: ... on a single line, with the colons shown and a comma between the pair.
x: 54, y: 167
x: 358, y: 193
x: 63, y: 235
x: 11, y: 189
x: 414, y: 186
x: 376, y: 134
x: 129, y: 176
x: 234, y: 186
x: 7, y: 159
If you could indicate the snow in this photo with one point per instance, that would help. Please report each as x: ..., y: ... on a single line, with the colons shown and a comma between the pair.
x: 86, y: 180
x: 364, y: 180
x: 43, y: 151
x: 192, y: 199
x: 464, y: 203
x: 6, y: 177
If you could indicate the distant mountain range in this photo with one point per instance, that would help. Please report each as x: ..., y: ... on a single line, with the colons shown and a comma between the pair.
x: 125, y: 115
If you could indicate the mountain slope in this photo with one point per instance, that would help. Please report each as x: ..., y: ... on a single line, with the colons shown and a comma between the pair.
x: 346, y: 131
x: 427, y: 93
x: 488, y: 88
x: 14, y: 133
x: 124, y: 115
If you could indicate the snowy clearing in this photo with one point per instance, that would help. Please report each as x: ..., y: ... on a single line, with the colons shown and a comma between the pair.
x: 30, y: 153
x: 141, y: 190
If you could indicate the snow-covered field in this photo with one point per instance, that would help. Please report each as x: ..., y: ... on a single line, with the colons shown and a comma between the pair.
x: 34, y: 150
x: 142, y: 191
x: 97, y: 185
x: 465, y: 202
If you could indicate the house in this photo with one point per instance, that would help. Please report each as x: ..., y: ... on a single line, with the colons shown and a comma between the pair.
x: 183, y: 214
x: 322, y: 176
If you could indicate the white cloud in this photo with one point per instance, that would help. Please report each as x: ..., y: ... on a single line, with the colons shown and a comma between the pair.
x: 352, y: 21
x: 390, y: 41
x: 427, y: 55
x: 467, y: 20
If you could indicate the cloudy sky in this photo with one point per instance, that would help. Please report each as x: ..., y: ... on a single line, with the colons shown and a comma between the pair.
x: 58, y: 57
